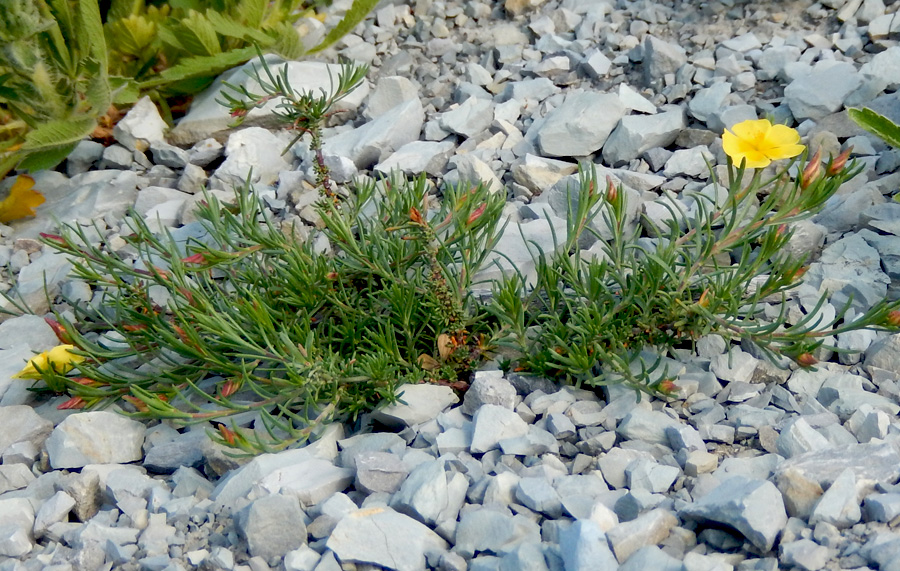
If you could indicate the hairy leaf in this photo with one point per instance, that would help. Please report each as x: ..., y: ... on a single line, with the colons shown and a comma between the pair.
x: 231, y: 29
x: 877, y: 124
x: 354, y: 16
x: 197, y: 35
x: 288, y: 43
x: 90, y: 33
x: 251, y: 12
x: 200, y: 66
x: 59, y: 132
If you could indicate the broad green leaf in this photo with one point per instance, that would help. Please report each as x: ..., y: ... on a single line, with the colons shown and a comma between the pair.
x: 229, y: 28
x: 97, y: 92
x: 288, y: 43
x: 124, y: 90
x: 119, y: 9
x: 251, y: 12
x: 45, y: 158
x: 354, y: 16
x: 877, y: 124
x: 197, y: 35
x: 59, y: 132
x: 200, y: 66
x: 131, y: 35
x: 90, y: 33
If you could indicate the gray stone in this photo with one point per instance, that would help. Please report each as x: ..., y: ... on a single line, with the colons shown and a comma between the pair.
x: 205, y: 152
x: 535, y: 442
x: 311, y: 481
x: 417, y: 157
x: 376, y: 140
x: 272, y: 526
x: 803, y: 554
x: 839, y: 505
x: 649, y: 529
x: 636, y: 134
x: 709, y: 101
x: 614, y: 463
x: 683, y: 437
x: 575, y: 128
x: 799, y: 437
x: 169, y: 155
x: 417, y: 404
x: 472, y: 170
x: 493, y: 423
x: 560, y: 426
x: 660, y: 58
x: 302, y: 559
x: 822, y: 91
x: 525, y: 557
x: 141, y: 126
x: 97, y: 437
x: 116, y: 157
x: 754, y: 508
x: 20, y: 423
x: 14, y: 477
x: 651, y: 557
x: 583, y: 546
x: 646, y: 425
x: 489, y: 387
x: 353, y: 447
x: 538, y: 494
x: 693, y: 162
x: 389, y: 92
x: 650, y: 476
x: 884, y: 354
x: 471, y: 118
x: 882, y: 507
x: 253, y: 149
x: 382, y: 536
x: 538, y: 174
x: 379, y: 472
x: 424, y: 495
x: 83, y: 157
x: 487, y: 530
x: 884, y: 68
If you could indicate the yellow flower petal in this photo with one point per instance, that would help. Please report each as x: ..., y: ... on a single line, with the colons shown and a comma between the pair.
x: 59, y: 359
x: 21, y: 201
x: 757, y: 142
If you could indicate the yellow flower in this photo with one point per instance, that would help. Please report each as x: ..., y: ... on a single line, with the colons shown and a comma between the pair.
x: 759, y: 142
x: 60, y: 359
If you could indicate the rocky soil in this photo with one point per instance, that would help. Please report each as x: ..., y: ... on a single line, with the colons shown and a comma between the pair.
x: 749, y: 467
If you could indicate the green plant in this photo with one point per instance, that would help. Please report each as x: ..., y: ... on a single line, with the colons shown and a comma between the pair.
x: 878, y: 125
x: 590, y: 319
x: 53, y: 80
x: 61, y: 66
x: 240, y: 318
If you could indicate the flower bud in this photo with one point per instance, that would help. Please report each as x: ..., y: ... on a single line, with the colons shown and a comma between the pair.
x: 837, y: 164
x: 892, y: 319
x: 59, y: 240
x: 812, y: 171
x: 806, y: 360
x: 667, y: 387
x: 612, y: 193
x: 476, y: 214
x: 415, y: 216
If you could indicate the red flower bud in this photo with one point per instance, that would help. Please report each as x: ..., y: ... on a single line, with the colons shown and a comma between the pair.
x: 837, y: 164
x: 72, y: 404
x: 612, y: 192
x: 812, y: 171
x: 415, y: 216
x: 59, y: 330
x: 476, y: 214
x: 806, y: 360
x: 893, y: 319
x: 59, y: 240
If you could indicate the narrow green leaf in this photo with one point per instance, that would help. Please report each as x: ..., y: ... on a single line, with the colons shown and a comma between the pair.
x: 199, y: 67
x: 58, y: 132
x: 354, y: 16
x: 877, y: 124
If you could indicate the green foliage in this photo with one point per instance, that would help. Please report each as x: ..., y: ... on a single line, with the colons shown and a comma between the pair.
x: 592, y: 319
x: 877, y: 124
x: 53, y: 80
x: 62, y: 66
